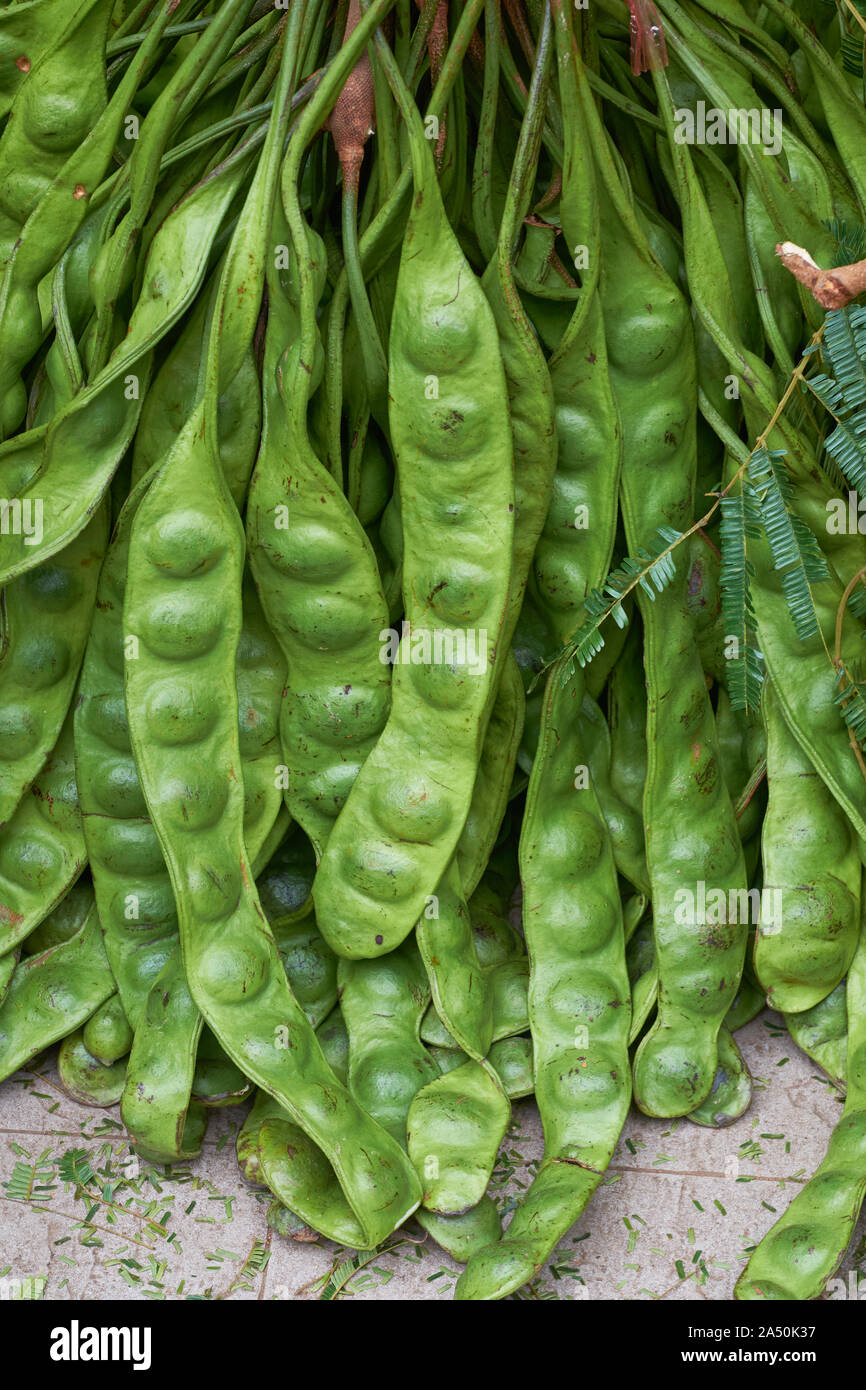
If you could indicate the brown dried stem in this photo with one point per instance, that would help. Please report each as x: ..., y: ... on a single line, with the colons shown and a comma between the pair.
x: 834, y: 288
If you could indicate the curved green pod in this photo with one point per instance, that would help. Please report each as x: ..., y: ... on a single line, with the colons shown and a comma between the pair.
x: 107, y: 1036
x: 260, y: 673
x: 286, y: 882
x: 805, y: 1247
x: 25, y: 32
x: 310, y: 966
x: 51, y: 994
x: 465, y: 1235
x: 48, y: 613
x: 66, y: 193
x: 64, y: 920
x: 315, y: 571
x: 235, y: 974
x: 42, y: 848
x: 382, y: 1002
x: 512, y: 1060
x: 731, y: 1092
x: 130, y: 880
x: 130, y: 876
x: 30, y: 162
x: 822, y: 1033
x: 626, y: 717
x: 579, y: 1002
x: 85, y: 1078
x: 462, y: 990
x: 509, y: 983
x: 157, y: 1106
x: 454, y: 1128
x: 217, y: 1081
x: 644, y: 998
x: 300, y: 1176
x: 692, y: 840
x: 451, y: 434
x: 811, y: 869
x: 333, y: 1038
x: 82, y: 447
x: 624, y: 821
x: 747, y: 1005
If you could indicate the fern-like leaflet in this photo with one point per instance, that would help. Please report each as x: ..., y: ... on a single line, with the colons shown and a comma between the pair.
x: 796, y: 552
x: 740, y: 523
x: 652, y: 568
x: 844, y: 393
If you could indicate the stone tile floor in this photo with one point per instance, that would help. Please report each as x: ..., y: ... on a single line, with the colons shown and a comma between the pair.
x: 678, y: 1209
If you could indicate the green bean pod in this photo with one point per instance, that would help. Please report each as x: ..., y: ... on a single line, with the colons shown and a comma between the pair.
x: 107, y: 1036
x: 578, y: 1003
x: 52, y: 993
x: 63, y: 921
x: 63, y: 204
x: 87, y: 438
x: 454, y: 1128
x: 462, y: 997
x: 811, y: 869
x: 805, y: 1247
x: 48, y: 616
x: 731, y: 1093
x: 25, y: 33
x: 624, y: 821
x: 465, y: 1235
x: 319, y: 586
x: 42, y: 848
x: 403, y: 817
x: 84, y: 1077
x: 382, y: 1003
x: 49, y: 120
x: 187, y: 555
x: 822, y: 1033
x: 692, y: 838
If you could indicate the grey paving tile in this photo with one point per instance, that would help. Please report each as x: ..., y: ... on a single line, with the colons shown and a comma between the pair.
x: 672, y: 1220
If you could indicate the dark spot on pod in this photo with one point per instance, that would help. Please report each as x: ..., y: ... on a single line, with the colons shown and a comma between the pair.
x: 379, y: 940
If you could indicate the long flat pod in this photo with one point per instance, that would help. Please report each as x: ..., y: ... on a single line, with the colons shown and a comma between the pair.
x: 692, y: 838
x: 452, y: 441
x: 579, y: 999
x: 312, y: 561
x: 42, y: 848
x: 803, y: 1250
x: 48, y: 613
x: 183, y: 617
x: 383, y: 1003
x: 63, y: 205
x: 811, y: 875
x: 88, y: 437
x: 805, y: 679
